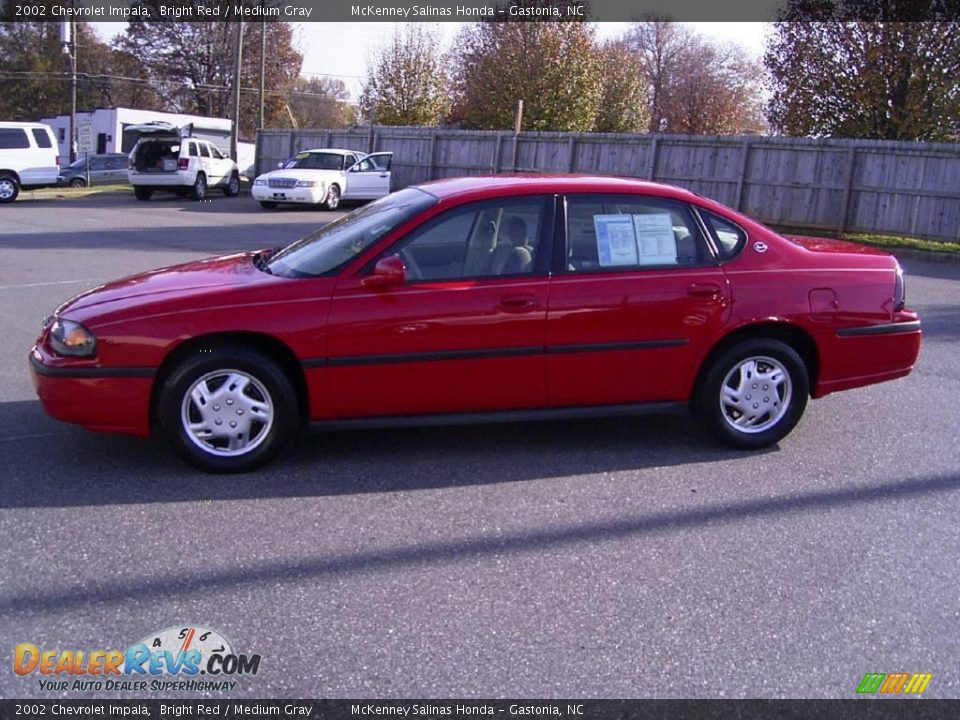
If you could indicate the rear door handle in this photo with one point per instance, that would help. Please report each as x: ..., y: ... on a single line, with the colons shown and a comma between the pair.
x: 519, y: 303
x: 705, y: 291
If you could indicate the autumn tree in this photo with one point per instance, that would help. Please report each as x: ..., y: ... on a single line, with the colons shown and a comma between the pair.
x: 624, y: 105
x: 406, y: 80
x: 882, y: 80
x: 320, y: 102
x: 696, y: 86
x: 551, y: 66
x: 190, y: 65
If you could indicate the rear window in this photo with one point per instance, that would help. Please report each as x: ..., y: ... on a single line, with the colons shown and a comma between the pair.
x: 13, y: 139
x: 42, y: 138
x: 204, y: 150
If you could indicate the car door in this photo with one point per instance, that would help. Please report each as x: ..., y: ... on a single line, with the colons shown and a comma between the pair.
x: 117, y: 169
x: 464, y: 333
x: 370, y: 178
x: 97, y: 170
x: 637, y: 294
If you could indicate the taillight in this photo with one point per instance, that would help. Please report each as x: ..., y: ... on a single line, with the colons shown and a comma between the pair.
x: 899, y: 292
x: 183, y: 163
x: 58, y: 162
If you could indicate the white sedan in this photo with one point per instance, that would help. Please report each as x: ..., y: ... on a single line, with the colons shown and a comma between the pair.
x: 325, y: 176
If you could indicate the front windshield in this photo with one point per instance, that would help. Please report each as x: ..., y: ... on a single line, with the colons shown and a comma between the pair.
x: 326, y: 250
x: 315, y: 161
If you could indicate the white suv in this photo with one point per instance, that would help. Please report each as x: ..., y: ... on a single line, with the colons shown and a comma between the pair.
x: 164, y: 160
x: 28, y: 158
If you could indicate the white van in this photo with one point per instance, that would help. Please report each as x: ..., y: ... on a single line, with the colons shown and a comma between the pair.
x: 28, y: 158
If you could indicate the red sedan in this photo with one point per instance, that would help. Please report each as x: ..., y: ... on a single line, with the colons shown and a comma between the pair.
x: 481, y: 299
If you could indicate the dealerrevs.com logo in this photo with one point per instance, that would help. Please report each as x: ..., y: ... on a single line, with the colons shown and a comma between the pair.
x: 188, y: 658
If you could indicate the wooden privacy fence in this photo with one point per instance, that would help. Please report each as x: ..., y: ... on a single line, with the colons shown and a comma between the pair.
x: 898, y: 188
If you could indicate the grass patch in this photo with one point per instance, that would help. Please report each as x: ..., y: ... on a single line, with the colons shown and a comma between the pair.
x: 67, y: 193
x: 877, y: 240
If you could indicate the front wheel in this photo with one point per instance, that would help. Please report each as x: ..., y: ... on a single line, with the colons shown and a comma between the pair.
x: 228, y: 409
x: 754, y: 393
x: 332, y: 201
x: 78, y: 183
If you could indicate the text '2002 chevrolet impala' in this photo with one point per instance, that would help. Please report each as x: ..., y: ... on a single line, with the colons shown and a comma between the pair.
x: 482, y: 298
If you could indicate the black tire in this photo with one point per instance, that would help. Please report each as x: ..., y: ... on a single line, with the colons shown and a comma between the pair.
x: 267, y: 385
x: 267, y: 204
x: 9, y: 188
x: 332, y: 201
x: 199, y: 189
x: 78, y: 183
x: 142, y: 192
x: 232, y: 188
x: 759, y: 409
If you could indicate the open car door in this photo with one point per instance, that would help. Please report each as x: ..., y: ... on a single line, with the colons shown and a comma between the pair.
x: 369, y: 179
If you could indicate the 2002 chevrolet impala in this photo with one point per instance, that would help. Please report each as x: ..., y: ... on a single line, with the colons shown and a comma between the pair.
x: 482, y: 298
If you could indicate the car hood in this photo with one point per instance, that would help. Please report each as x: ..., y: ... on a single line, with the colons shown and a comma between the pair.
x: 229, y: 271
x: 300, y: 174
x: 826, y: 245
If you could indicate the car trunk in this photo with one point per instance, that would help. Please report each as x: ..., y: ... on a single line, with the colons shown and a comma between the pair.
x: 156, y: 155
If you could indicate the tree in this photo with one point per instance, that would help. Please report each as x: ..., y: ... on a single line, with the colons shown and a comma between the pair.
x: 623, y: 106
x: 883, y: 80
x: 190, y: 65
x: 696, y: 86
x: 34, y: 81
x: 406, y: 80
x: 320, y: 102
x: 552, y: 66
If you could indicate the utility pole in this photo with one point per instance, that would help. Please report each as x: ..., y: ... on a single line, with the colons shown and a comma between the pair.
x: 238, y: 59
x: 263, y: 68
x: 68, y: 46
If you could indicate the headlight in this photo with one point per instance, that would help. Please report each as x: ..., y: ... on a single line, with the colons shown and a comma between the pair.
x: 260, y: 181
x: 72, y: 339
x: 309, y: 183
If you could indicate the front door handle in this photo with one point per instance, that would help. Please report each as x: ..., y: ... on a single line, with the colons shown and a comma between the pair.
x: 704, y: 291
x: 519, y: 303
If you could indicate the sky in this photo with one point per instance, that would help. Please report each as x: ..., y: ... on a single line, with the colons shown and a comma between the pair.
x: 342, y: 49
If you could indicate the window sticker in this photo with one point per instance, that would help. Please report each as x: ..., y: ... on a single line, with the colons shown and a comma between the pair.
x: 616, y: 240
x: 656, y: 242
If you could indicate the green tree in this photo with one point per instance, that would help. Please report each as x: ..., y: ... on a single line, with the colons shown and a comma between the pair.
x: 882, y: 80
x: 551, y: 66
x: 35, y: 74
x: 406, y: 80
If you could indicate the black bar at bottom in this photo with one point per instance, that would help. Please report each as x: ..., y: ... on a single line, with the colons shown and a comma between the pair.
x: 191, y: 709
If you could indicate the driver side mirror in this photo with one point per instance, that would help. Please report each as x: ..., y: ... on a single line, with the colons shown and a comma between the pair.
x: 388, y: 272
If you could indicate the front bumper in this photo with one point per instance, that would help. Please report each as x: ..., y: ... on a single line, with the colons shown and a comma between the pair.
x: 307, y: 195
x: 113, y: 400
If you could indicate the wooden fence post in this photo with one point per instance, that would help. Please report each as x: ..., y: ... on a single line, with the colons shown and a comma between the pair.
x: 847, y: 186
x: 572, y: 152
x: 496, y: 153
x: 652, y: 169
x: 744, y: 166
x: 431, y: 151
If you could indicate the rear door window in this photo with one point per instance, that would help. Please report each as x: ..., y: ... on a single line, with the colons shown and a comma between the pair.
x: 620, y: 232
x: 42, y: 137
x: 204, y: 150
x: 13, y: 139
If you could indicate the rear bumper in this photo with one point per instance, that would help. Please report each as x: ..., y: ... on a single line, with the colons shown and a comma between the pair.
x: 161, y: 179
x: 858, y: 356
x: 101, y: 399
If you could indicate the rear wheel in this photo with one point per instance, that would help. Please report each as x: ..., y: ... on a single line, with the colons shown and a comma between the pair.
x: 228, y: 410
x: 754, y: 393
x: 267, y: 204
x: 332, y: 201
x: 199, y: 189
x: 232, y: 188
x: 9, y: 188
x: 142, y: 193
x: 78, y: 183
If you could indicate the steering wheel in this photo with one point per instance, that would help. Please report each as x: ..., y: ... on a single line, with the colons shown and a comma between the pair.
x: 413, y: 269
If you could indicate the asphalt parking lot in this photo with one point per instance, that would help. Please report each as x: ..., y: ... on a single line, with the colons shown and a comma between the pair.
x: 613, y: 558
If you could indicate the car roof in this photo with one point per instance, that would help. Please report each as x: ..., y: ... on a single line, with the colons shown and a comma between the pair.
x: 334, y: 151
x: 31, y: 125
x: 530, y: 183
